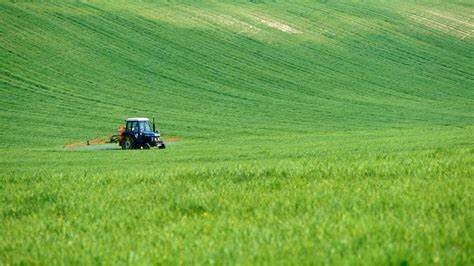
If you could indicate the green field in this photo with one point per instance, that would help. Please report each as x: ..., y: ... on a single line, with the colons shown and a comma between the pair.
x: 298, y: 132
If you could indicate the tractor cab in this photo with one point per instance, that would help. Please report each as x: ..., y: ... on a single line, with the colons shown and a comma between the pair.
x: 140, y: 133
x: 138, y: 125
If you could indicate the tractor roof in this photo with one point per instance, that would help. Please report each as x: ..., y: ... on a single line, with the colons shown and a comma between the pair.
x: 138, y: 119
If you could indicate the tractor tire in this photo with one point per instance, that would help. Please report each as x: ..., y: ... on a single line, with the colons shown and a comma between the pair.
x: 163, y: 146
x: 127, y: 144
x: 146, y: 146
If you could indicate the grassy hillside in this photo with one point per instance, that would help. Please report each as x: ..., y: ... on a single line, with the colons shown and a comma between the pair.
x: 304, y: 132
x: 75, y: 70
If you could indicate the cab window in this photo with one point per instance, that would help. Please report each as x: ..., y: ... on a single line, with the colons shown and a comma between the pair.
x: 132, y: 126
x: 135, y: 126
x: 145, y: 126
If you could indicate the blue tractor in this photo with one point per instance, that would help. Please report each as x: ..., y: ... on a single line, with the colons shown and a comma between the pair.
x: 139, y: 133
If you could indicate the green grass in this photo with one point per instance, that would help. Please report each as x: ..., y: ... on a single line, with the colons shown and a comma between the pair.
x: 347, y: 142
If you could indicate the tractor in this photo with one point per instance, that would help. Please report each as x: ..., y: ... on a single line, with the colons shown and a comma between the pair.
x: 139, y: 133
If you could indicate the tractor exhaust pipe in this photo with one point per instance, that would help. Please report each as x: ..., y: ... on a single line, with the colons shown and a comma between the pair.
x: 154, y: 126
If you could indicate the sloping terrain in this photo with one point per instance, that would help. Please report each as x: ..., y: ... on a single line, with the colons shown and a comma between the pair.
x: 73, y: 70
x: 298, y: 132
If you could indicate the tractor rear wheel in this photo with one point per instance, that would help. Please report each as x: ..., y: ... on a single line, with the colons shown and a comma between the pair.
x: 127, y: 144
